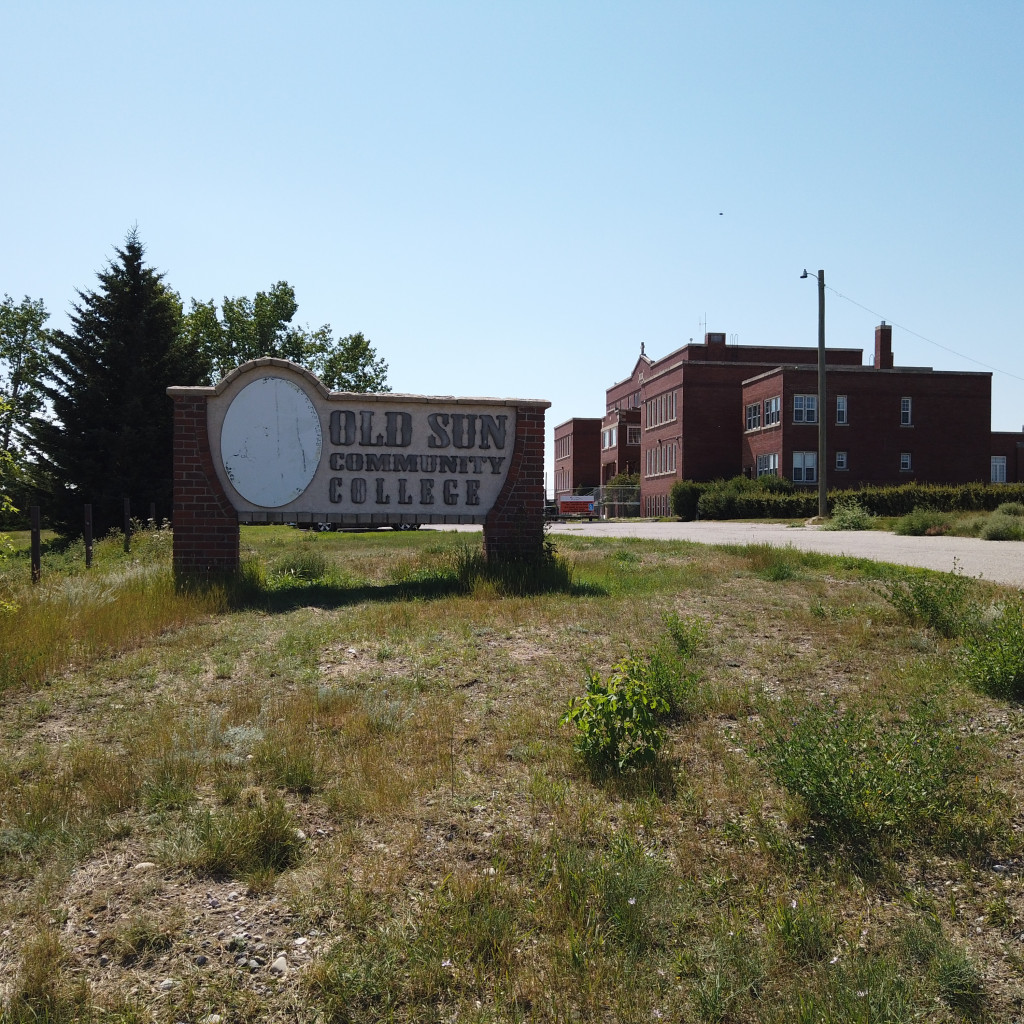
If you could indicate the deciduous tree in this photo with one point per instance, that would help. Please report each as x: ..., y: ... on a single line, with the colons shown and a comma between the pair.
x: 245, y: 329
x: 24, y: 357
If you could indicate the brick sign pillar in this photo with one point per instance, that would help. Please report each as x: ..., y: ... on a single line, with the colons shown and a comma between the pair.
x: 514, y: 528
x: 206, y: 537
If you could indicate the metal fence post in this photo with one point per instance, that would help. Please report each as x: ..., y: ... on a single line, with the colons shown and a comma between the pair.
x: 87, y: 536
x: 37, y: 565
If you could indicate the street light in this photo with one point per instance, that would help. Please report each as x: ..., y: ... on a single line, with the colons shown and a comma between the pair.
x: 822, y: 488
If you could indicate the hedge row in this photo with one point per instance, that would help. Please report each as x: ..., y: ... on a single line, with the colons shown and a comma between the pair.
x: 741, y: 498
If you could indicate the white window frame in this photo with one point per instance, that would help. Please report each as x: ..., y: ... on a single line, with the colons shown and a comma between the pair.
x: 608, y: 437
x: 841, y: 413
x: 768, y: 465
x: 661, y: 409
x: 772, y: 411
x: 563, y: 447
x: 805, y: 467
x: 754, y: 416
x: 634, y: 434
x: 661, y: 459
x: 805, y: 408
x: 998, y: 469
x: 841, y: 461
x: 906, y: 412
x: 906, y: 462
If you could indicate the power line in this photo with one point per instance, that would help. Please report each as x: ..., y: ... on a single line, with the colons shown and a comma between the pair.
x: 945, y: 348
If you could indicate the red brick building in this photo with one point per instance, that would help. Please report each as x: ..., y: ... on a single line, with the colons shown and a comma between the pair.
x: 621, y: 436
x: 884, y: 425
x: 715, y: 410
x: 691, y: 410
x: 577, y: 455
x: 1007, y: 464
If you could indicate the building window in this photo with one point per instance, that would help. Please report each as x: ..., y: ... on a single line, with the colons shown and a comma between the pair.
x: 805, y: 467
x: 805, y: 408
x: 633, y: 435
x: 841, y: 410
x: 999, y: 469
x: 608, y: 437
x: 905, y: 462
x: 661, y: 409
x: 905, y: 412
x: 661, y: 459
x: 768, y: 465
x: 840, y: 460
x: 772, y: 407
x: 657, y: 505
x: 563, y: 446
x: 754, y: 416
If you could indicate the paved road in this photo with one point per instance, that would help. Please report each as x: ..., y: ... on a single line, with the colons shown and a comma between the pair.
x: 999, y: 561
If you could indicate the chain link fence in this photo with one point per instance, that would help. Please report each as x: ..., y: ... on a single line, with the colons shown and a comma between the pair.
x: 617, y: 502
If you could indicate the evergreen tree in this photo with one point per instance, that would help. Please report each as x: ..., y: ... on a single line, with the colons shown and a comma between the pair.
x: 110, y: 436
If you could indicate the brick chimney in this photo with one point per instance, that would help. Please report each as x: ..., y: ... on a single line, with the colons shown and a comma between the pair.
x: 883, y: 346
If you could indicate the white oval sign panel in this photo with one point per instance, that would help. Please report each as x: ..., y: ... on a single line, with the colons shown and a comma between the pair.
x: 271, y: 442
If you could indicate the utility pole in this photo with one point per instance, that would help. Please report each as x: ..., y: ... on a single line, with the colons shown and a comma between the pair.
x: 822, y: 446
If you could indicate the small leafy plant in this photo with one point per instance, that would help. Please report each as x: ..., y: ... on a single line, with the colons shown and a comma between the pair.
x: 941, y: 601
x: 992, y: 660
x: 616, y: 719
x: 877, y: 785
x: 687, y: 635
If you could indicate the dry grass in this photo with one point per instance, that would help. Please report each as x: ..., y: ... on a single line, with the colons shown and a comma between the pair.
x: 362, y: 769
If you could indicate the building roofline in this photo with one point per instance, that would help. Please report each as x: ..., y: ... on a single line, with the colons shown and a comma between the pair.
x: 578, y: 419
x: 832, y: 370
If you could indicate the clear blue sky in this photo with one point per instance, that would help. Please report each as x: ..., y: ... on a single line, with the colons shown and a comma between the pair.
x: 507, y: 198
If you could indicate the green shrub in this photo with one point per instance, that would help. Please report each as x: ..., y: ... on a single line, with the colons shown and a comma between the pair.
x: 923, y: 522
x: 902, y: 500
x: 624, y: 480
x: 879, y: 785
x: 1011, y: 508
x: 941, y: 601
x: 992, y: 660
x: 683, y: 499
x: 617, y: 720
x: 775, y: 484
x: 755, y: 503
x: 999, y: 526
x: 849, y: 514
x: 776, y: 497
